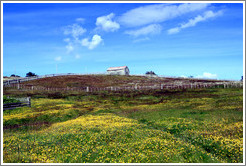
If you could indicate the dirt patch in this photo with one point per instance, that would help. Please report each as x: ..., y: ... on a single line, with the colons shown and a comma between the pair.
x: 38, y: 124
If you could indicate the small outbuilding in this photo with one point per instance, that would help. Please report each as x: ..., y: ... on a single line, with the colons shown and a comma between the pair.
x: 122, y: 70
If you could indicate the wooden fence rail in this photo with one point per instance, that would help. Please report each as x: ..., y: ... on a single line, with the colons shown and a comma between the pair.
x: 133, y: 87
x: 20, y: 80
x: 24, y: 101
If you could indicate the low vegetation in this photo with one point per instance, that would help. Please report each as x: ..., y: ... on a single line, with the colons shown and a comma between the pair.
x: 175, y: 126
x: 108, y: 80
x: 7, y: 100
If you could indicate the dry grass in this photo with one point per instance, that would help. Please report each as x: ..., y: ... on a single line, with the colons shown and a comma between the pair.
x: 107, y: 80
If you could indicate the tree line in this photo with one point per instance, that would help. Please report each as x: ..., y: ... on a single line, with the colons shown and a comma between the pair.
x: 29, y: 74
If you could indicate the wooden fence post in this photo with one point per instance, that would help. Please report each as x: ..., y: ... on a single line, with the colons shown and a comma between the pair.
x: 29, y: 101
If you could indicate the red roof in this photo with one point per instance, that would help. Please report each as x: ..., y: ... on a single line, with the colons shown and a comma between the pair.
x: 117, y: 68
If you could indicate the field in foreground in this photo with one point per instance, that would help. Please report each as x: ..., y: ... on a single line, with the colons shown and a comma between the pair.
x: 202, y: 125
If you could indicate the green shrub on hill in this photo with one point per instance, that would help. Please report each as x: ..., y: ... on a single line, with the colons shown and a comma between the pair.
x: 9, y: 100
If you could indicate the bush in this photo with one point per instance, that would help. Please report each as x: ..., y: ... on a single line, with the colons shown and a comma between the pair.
x: 30, y: 74
x: 9, y: 100
x: 13, y: 75
x: 150, y: 72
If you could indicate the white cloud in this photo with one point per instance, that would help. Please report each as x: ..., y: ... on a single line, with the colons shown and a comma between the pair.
x: 207, y: 75
x: 141, y: 40
x: 77, y: 56
x: 158, y: 13
x: 95, y: 41
x: 69, y: 48
x: 173, y: 30
x: 105, y: 23
x: 148, y: 30
x: 80, y: 20
x: 194, y: 21
x: 183, y: 76
x: 207, y: 15
x: 67, y: 40
x: 75, y: 30
x: 58, y: 58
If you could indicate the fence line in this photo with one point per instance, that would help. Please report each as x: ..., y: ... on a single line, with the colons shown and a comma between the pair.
x: 24, y: 101
x: 133, y: 87
x: 20, y: 80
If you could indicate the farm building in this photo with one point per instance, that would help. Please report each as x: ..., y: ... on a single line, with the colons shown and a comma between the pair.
x: 122, y: 70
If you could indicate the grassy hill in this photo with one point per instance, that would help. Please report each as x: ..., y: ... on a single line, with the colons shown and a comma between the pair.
x: 154, y: 126
x: 108, y: 80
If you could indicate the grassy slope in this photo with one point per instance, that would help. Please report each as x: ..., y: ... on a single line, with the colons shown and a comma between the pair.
x: 178, y: 126
x: 105, y: 81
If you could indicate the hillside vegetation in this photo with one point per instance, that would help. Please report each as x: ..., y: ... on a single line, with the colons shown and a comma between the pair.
x: 108, y: 80
x: 174, y: 126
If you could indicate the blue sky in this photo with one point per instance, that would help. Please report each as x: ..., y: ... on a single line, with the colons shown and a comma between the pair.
x: 173, y: 39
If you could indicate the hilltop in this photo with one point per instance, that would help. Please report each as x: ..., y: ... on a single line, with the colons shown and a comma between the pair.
x: 109, y: 80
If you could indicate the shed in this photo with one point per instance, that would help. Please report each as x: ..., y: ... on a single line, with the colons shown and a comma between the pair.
x: 122, y: 70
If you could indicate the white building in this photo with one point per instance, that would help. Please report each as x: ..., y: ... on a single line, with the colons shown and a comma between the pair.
x: 122, y: 70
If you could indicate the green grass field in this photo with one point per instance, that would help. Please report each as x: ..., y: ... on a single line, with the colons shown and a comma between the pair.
x: 189, y: 126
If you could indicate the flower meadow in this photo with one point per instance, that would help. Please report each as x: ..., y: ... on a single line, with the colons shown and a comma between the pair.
x: 176, y: 126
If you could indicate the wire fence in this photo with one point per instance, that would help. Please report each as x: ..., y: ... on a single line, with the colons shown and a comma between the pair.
x: 22, y: 101
x: 130, y: 88
x: 20, y: 80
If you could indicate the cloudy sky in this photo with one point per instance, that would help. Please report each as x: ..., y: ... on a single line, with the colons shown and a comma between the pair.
x: 172, y: 39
